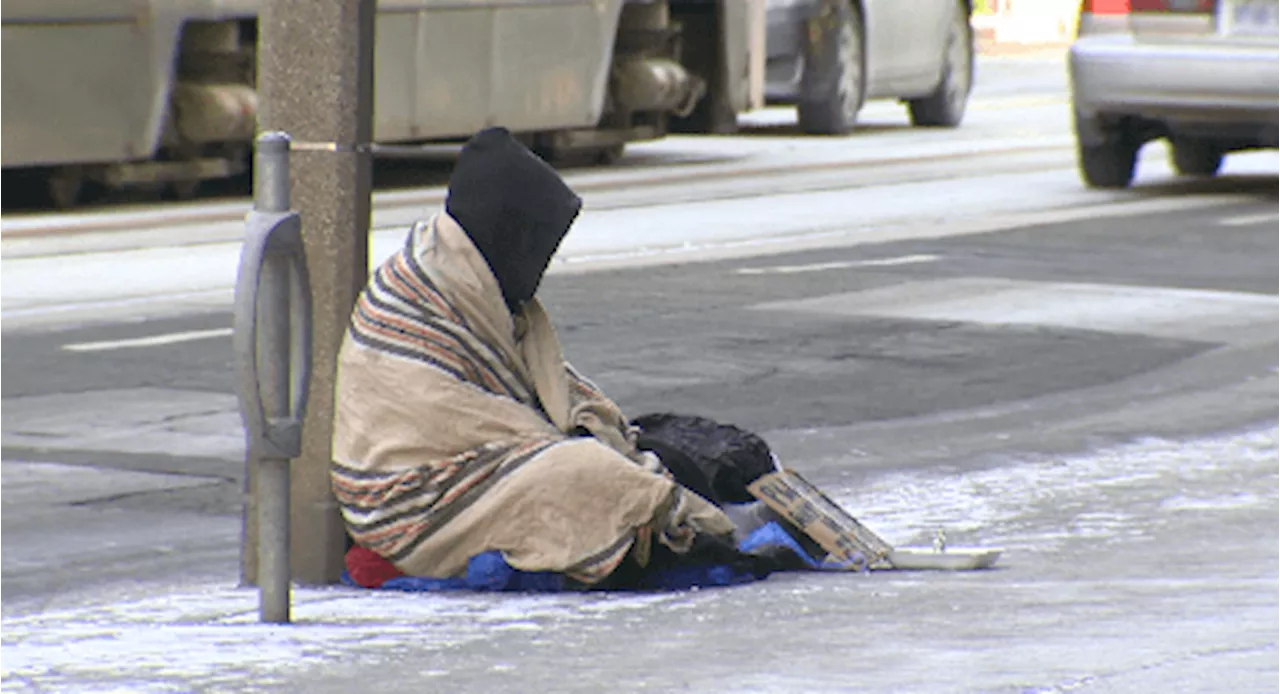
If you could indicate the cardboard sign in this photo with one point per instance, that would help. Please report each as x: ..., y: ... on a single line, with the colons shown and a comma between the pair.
x: 847, y: 541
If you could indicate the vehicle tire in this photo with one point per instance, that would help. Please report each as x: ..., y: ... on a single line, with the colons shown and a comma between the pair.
x: 65, y: 186
x: 1196, y: 157
x: 945, y: 106
x: 714, y: 113
x: 606, y: 156
x: 832, y: 87
x: 1109, y: 165
x: 585, y: 155
x: 181, y: 190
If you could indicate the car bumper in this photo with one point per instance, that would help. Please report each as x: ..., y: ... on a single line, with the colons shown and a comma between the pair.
x: 1184, y: 82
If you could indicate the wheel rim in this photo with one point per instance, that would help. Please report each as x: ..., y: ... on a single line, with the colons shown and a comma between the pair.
x: 851, y: 75
x: 959, y: 67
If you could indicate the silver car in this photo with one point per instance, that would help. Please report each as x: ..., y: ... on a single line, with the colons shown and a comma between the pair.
x: 1205, y: 74
x: 829, y: 56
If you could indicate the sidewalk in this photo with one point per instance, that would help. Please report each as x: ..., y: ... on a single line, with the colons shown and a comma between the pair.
x: 1113, y: 579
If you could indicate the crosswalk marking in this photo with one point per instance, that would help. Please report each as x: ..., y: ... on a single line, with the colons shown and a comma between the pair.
x: 1188, y: 314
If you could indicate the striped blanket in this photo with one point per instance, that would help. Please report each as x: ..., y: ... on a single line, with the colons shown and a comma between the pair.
x: 459, y: 429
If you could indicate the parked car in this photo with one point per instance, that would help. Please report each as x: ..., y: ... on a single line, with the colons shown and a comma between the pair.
x: 829, y: 56
x: 1201, y: 73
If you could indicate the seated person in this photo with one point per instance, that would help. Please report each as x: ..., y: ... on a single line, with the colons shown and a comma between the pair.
x: 460, y: 428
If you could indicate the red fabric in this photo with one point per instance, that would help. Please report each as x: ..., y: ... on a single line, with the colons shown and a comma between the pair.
x: 369, y: 569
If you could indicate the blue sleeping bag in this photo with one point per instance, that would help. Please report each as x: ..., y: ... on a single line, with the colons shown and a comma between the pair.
x: 489, y: 572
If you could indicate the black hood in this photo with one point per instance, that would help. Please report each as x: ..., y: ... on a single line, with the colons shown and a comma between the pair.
x: 515, y: 208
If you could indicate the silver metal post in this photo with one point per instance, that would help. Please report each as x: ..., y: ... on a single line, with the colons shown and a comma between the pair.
x: 273, y: 541
x: 273, y: 366
x: 271, y: 173
x: 271, y: 194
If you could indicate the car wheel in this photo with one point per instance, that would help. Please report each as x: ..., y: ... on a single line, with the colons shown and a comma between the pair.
x: 832, y: 84
x: 606, y: 156
x: 1196, y: 157
x: 714, y: 112
x: 65, y: 187
x: 945, y: 106
x: 590, y: 155
x: 1109, y: 165
x: 182, y: 190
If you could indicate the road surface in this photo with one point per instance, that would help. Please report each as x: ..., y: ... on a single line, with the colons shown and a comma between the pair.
x: 940, y: 328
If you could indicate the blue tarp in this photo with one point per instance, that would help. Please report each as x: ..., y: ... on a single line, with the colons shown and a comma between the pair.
x: 489, y: 572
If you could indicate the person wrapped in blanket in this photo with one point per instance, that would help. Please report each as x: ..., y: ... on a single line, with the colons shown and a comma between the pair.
x: 460, y: 428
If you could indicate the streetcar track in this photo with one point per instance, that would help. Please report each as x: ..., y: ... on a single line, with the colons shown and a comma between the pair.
x: 777, y: 177
x: 774, y: 189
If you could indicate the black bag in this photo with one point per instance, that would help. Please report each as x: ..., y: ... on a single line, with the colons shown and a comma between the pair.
x: 717, y: 461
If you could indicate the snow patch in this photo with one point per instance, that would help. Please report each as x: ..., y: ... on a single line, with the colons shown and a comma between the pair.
x: 206, y: 636
x: 1080, y: 493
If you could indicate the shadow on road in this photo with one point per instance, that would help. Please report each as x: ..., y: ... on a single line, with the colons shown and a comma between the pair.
x: 793, y: 130
x: 1261, y: 186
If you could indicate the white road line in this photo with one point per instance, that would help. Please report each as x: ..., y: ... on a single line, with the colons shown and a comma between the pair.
x: 838, y: 265
x: 150, y: 341
x: 1249, y: 219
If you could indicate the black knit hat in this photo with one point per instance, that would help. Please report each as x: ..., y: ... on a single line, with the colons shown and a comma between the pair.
x: 515, y: 208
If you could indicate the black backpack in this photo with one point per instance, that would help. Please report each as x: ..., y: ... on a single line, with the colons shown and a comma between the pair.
x: 717, y: 461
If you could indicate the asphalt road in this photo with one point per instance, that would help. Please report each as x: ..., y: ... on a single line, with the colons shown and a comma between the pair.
x: 859, y: 375
x: 1088, y: 380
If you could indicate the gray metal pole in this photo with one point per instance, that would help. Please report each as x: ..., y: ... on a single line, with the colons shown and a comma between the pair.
x: 271, y: 194
x: 272, y: 341
x: 273, y: 541
x: 271, y: 172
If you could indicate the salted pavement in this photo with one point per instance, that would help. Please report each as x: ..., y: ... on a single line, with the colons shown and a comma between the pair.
x: 1147, y: 567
